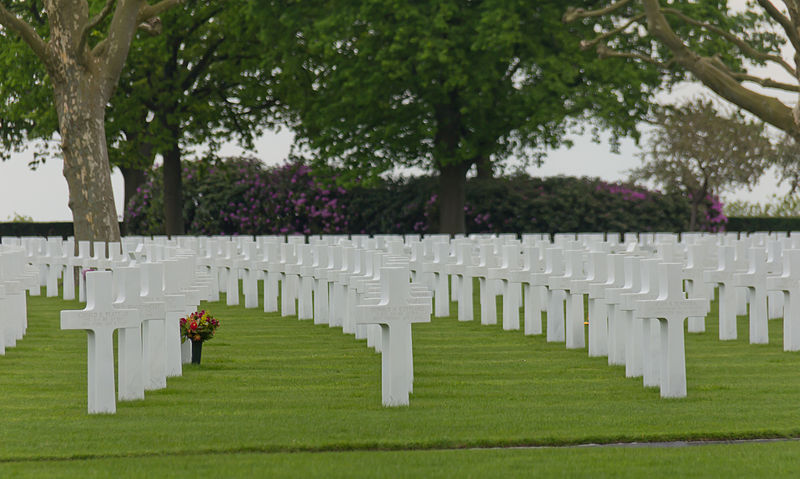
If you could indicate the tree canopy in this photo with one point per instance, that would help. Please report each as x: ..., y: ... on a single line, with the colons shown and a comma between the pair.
x: 441, y: 85
x: 82, y: 47
x: 701, y: 153
x: 195, y: 83
x: 722, y: 48
x: 198, y: 83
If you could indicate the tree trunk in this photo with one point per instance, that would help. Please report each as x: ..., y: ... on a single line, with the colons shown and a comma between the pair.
x: 173, y: 190
x: 483, y: 168
x: 134, y: 178
x: 695, y: 210
x: 452, y: 198
x: 81, y: 117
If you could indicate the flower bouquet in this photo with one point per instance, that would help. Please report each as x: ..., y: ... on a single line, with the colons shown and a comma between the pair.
x: 198, y: 327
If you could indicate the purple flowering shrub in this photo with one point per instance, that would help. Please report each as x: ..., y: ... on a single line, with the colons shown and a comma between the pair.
x: 243, y: 196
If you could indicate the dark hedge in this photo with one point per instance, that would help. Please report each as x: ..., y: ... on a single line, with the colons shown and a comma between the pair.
x: 242, y: 196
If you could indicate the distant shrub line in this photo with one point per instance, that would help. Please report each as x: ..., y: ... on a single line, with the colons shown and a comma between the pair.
x: 243, y: 196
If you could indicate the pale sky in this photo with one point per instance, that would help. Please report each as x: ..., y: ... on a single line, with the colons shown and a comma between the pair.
x: 42, y: 194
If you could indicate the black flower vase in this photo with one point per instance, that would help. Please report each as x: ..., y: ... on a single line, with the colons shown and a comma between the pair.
x: 197, y: 351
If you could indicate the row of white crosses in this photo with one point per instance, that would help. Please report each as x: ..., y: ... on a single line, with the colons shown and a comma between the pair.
x: 327, y: 270
x: 339, y: 276
x: 154, y: 292
x: 354, y: 284
x: 15, y: 279
x: 609, y: 287
x: 549, y: 274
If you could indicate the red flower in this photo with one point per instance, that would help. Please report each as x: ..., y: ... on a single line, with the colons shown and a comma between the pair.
x: 193, y: 325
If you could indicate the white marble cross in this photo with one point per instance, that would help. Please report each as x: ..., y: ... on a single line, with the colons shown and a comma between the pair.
x: 82, y: 261
x: 438, y: 269
x: 100, y: 319
x: 598, y: 319
x: 176, y: 308
x: 55, y: 265
x: 575, y: 337
x: 512, y: 291
x: 341, y: 308
x: 649, y: 327
x: 630, y: 333
x: 230, y: 272
x: 153, y: 321
x: 724, y: 277
x: 16, y: 311
x: 616, y: 281
x: 3, y: 307
x: 249, y: 274
x: 672, y: 308
x: 305, y: 305
x: 755, y: 280
x: 696, y: 286
x: 321, y: 266
x: 532, y: 293
x: 270, y: 264
x: 556, y: 294
x: 789, y: 284
x: 481, y: 271
x: 129, y: 340
x: 290, y: 279
x: 395, y: 311
x: 463, y: 281
x: 207, y: 263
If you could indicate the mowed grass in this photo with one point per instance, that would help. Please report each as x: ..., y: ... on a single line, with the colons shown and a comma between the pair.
x: 282, y: 396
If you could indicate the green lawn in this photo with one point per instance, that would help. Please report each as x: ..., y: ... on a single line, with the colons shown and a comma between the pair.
x: 277, y: 396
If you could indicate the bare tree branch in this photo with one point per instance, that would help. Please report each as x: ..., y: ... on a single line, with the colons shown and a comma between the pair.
x: 605, y: 52
x: 767, y: 82
x: 785, y: 22
x: 149, y: 11
x: 202, y: 65
x: 741, y: 44
x: 24, y: 30
x: 95, y: 20
x: 91, y: 25
x: 586, y: 44
x: 717, y: 79
x: 573, y: 14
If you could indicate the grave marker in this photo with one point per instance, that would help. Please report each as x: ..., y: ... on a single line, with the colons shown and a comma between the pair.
x: 755, y: 280
x: 672, y: 308
x: 100, y: 319
x: 129, y: 340
x: 395, y: 311
x: 789, y: 284
x: 723, y: 276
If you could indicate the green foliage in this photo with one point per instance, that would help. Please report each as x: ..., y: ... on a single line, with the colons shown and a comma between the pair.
x: 777, y: 206
x: 18, y: 218
x: 195, y: 83
x: 787, y: 163
x: 700, y: 153
x: 519, y: 204
x: 26, y: 95
x: 440, y: 85
x: 241, y: 196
